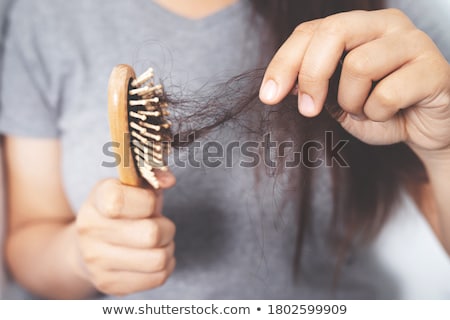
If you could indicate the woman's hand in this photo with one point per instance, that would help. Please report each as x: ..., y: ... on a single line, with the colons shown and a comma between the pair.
x: 411, y: 99
x: 125, y: 243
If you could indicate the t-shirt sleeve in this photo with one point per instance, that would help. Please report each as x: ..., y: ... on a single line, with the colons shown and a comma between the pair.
x: 27, y: 106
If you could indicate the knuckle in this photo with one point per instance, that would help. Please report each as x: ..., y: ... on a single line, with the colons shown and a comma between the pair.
x: 91, y: 258
x: 309, y: 75
x: 82, y: 225
x: 162, y: 278
x: 105, y: 185
x: 357, y: 64
x: 113, y: 207
x: 387, y: 96
x: 85, y: 221
x: 161, y: 260
x: 419, y: 36
x: 113, y: 199
x: 172, y: 227
x: 400, y: 16
x: 154, y: 233
x: 307, y: 28
x: 332, y: 25
x: 349, y: 105
x: 397, y: 12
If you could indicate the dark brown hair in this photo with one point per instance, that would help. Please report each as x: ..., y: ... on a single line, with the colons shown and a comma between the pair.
x: 364, y: 192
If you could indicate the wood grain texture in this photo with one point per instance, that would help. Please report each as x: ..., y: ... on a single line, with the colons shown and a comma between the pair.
x: 118, y: 122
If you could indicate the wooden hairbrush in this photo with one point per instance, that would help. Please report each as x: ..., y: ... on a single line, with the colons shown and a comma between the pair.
x: 137, y: 111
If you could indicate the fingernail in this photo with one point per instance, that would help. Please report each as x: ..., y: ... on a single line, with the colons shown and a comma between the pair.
x: 306, y: 105
x: 269, y: 90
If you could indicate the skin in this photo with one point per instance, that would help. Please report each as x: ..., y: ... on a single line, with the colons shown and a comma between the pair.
x: 410, y: 103
x: 120, y: 243
x: 195, y: 9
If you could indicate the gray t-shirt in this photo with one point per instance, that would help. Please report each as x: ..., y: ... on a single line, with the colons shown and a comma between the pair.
x: 232, y: 242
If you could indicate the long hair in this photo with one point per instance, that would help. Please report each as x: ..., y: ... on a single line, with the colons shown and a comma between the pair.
x: 365, y: 191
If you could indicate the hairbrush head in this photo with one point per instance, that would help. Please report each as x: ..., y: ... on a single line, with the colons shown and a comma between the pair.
x: 137, y: 116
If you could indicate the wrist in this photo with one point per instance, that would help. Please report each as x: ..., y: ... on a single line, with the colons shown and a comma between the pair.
x: 435, y: 161
x: 76, y: 263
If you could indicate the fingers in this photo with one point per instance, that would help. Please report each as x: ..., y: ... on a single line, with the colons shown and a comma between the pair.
x: 147, y: 233
x: 369, y: 63
x: 335, y: 35
x: 124, y: 242
x: 114, y: 258
x: 391, y: 94
x: 282, y: 72
x: 376, y: 133
x: 111, y: 282
x: 116, y: 201
x: 314, y: 54
x: 122, y: 256
x: 420, y: 83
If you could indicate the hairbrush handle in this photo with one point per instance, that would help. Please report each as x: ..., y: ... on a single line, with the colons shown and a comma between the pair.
x: 118, y: 89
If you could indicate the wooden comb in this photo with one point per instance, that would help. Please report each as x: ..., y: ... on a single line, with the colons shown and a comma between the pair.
x: 137, y: 111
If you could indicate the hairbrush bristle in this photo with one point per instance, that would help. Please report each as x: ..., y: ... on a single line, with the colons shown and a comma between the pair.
x: 149, y: 130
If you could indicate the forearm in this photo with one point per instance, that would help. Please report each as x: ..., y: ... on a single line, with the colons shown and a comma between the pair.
x: 436, y: 197
x: 44, y: 259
